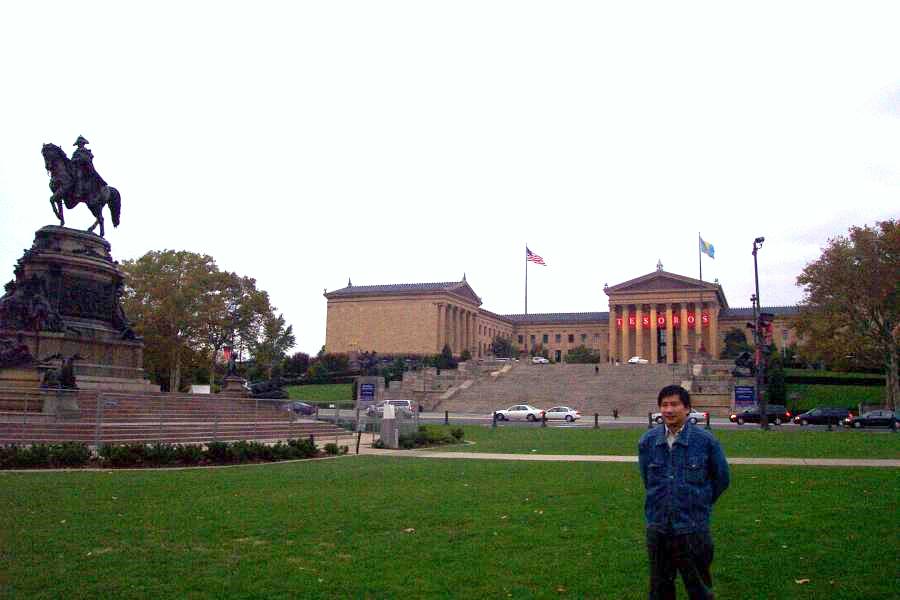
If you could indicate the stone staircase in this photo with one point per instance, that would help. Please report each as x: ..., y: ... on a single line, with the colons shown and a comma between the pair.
x: 631, y: 389
x: 149, y: 417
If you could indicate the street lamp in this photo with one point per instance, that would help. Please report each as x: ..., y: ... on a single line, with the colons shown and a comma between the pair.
x: 761, y: 400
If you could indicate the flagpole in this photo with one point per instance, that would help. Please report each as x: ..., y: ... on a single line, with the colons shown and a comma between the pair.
x: 699, y: 256
x: 526, y: 278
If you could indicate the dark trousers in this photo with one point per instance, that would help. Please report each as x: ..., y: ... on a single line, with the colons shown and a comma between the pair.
x: 690, y: 554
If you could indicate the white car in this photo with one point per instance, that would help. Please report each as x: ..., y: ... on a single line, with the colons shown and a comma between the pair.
x: 402, y: 408
x: 695, y: 416
x: 562, y: 413
x: 519, y: 411
x: 539, y: 360
x: 637, y: 360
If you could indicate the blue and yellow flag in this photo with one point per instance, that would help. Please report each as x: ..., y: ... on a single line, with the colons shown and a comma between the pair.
x: 707, y: 248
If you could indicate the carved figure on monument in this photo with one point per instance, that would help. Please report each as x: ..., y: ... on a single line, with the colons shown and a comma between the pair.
x: 25, y: 306
x: 75, y: 181
x: 744, y: 366
x: 62, y: 378
x: 14, y: 353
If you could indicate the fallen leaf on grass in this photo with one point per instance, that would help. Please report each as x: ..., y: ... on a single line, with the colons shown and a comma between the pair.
x: 503, y: 517
x: 801, y: 581
x: 561, y: 590
x: 409, y: 530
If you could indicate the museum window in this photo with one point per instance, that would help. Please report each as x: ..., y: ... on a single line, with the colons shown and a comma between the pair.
x: 583, y: 338
x: 558, y: 338
x: 571, y: 338
x: 532, y: 339
x: 521, y: 339
x: 545, y: 338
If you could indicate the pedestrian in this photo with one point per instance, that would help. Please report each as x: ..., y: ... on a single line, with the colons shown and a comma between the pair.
x: 684, y: 472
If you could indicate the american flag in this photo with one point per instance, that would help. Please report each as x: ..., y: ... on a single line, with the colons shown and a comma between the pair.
x: 531, y: 256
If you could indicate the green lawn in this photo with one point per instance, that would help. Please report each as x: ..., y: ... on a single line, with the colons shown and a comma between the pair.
x: 748, y: 441
x: 841, y: 374
x: 373, y: 527
x: 845, y: 396
x: 329, y: 393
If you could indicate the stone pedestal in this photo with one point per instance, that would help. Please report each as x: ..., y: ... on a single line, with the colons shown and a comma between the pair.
x: 66, y: 300
x: 234, y: 387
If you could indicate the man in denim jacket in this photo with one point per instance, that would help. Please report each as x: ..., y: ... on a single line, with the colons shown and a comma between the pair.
x: 684, y: 473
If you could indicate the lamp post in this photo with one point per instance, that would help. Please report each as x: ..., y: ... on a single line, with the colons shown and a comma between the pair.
x: 761, y: 400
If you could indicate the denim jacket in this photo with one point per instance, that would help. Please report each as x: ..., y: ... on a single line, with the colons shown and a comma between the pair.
x: 682, y: 483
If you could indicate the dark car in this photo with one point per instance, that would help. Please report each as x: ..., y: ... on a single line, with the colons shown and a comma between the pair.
x: 777, y: 413
x: 302, y: 408
x: 874, y: 418
x: 823, y: 415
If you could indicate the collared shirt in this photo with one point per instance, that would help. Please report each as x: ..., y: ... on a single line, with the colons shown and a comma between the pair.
x: 672, y: 434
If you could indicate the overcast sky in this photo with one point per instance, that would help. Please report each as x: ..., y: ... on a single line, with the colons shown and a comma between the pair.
x: 390, y: 142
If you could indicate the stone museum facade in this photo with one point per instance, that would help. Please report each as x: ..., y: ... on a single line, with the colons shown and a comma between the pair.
x: 661, y: 316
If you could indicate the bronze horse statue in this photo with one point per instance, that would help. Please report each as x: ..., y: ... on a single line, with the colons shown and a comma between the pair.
x: 74, y: 181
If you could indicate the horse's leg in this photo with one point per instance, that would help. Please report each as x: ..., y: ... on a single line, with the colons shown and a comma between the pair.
x: 62, y: 220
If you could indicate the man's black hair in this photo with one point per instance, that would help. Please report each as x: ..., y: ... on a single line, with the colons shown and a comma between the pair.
x: 674, y: 390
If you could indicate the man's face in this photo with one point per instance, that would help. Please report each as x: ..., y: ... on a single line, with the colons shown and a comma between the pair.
x: 673, y: 411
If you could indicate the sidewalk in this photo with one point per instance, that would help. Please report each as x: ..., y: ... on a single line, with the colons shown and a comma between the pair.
x: 809, y: 462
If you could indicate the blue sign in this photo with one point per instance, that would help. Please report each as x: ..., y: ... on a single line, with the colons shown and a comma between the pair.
x: 744, y: 394
x: 367, y: 392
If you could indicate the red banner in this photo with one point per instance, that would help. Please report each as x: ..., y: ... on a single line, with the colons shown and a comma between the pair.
x: 618, y: 322
x: 632, y: 321
x: 661, y: 321
x: 692, y: 319
x: 645, y: 321
x: 704, y: 319
x: 676, y: 320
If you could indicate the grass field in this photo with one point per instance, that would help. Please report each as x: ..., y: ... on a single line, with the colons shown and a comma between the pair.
x: 373, y: 527
x: 334, y: 393
x: 840, y: 374
x: 749, y: 441
x: 844, y: 396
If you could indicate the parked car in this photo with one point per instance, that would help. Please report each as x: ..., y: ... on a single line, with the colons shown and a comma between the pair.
x: 519, y: 411
x: 823, y: 415
x: 302, y: 408
x: 695, y: 416
x: 637, y: 360
x: 873, y: 418
x: 562, y: 413
x: 777, y: 414
x: 539, y: 360
x: 402, y: 408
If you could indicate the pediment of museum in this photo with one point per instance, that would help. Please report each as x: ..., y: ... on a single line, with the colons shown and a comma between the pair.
x: 665, y: 283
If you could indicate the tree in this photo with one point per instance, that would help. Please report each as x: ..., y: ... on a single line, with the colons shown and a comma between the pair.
x: 296, y: 365
x: 166, y: 295
x: 187, y: 310
x: 582, y: 355
x: 775, y: 385
x: 502, y: 347
x: 851, y: 305
x: 735, y: 343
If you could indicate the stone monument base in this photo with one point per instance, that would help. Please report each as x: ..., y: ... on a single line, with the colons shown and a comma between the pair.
x: 234, y: 387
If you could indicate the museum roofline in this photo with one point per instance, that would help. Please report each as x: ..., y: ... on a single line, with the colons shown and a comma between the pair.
x: 558, y: 318
x: 746, y: 312
x: 392, y: 289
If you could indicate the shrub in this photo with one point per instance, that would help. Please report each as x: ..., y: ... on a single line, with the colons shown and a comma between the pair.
x: 345, y: 449
x: 124, y: 455
x: 378, y: 443
x: 331, y: 449
x: 218, y: 452
x: 406, y: 441
x: 9, y: 457
x: 36, y: 455
x: 305, y: 448
x: 457, y: 433
x: 189, y: 454
x: 69, y: 454
x: 160, y: 454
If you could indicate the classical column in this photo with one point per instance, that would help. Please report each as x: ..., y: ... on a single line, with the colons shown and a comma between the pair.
x: 638, y: 330
x: 653, y: 336
x: 698, y: 325
x: 613, y: 346
x: 683, y: 351
x: 714, y: 331
x: 670, y: 335
x: 440, y: 327
x: 626, y: 347
x: 468, y: 331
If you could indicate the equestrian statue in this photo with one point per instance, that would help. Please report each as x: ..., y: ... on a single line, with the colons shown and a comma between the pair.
x: 74, y: 181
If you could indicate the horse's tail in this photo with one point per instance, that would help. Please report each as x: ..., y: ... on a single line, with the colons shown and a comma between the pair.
x: 115, y: 205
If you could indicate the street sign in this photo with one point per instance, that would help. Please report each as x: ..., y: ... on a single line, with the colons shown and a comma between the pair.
x: 744, y: 395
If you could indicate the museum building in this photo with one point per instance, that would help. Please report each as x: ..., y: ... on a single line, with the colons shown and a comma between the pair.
x: 662, y: 317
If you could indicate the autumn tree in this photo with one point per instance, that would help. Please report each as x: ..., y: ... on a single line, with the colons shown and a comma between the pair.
x: 187, y: 310
x: 851, y: 305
